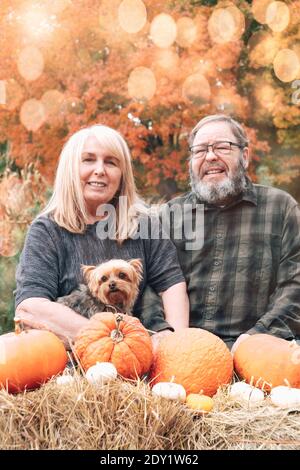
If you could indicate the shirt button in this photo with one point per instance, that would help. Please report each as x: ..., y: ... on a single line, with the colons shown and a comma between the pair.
x: 212, y: 289
x: 216, y: 263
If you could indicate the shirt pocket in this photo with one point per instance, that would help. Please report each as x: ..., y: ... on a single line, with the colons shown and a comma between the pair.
x: 258, y: 259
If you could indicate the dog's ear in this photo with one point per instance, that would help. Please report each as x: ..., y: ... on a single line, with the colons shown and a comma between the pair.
x: 87, y: 271
x: 138, y: 266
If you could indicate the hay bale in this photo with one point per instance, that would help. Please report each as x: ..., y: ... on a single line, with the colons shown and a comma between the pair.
x: 125, y: 416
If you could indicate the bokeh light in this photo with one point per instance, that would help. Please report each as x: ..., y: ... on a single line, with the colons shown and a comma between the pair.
x: 32, y: 114
x: 132, y: 15
x: 265, y: 96
x: 278, y: 16
x: 239, y: 21
x: 224, y: 101
x: 163, y: 30
x: 52, y: 101
x: 2, y: 92
x: 221, y: 26
x: 286, y: 65
x: 13, y: 94
x: 58, y: 6
x: 196, y: 89
x: 259, y: 9
x: 186, y: 31
x: 166, y: 60
x: 30, y: 63
x: 38, y: 23
x: 141, y: 84
x: 263, y: 49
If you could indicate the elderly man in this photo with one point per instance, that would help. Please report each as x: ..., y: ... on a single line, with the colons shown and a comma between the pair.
x: 245, y: 278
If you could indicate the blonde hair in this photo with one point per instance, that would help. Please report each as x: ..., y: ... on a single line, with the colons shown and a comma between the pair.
x: 67, y: 206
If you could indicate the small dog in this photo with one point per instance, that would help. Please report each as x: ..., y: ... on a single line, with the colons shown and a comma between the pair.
x: 113, y: 283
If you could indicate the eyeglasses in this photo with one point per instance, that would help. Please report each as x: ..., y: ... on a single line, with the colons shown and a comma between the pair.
x: 219, y: 149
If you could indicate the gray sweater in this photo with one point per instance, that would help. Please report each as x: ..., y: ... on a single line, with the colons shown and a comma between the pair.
x: 50, y: 263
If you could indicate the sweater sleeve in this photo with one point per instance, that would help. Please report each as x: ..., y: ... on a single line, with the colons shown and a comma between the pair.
x: 37, y: 273
x: 163, y: 269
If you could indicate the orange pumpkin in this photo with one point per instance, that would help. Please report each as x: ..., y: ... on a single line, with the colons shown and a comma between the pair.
x: 268, y: 361
x: 119, y: 339
x: 29, y: 358
x: 194, y: 358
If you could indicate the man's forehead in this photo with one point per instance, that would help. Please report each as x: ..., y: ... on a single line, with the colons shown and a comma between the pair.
x: 214, y: 131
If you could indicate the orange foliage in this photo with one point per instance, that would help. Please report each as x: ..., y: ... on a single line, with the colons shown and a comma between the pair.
x: 88, y: 59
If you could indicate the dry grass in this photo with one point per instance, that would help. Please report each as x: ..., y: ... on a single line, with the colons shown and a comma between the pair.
x: 125, y: 416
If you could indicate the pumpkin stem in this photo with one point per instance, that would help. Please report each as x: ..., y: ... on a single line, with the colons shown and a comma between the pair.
x: 117, y: 335
x: 257, y: 382
x: 287, y: 383
x: 18, y: 327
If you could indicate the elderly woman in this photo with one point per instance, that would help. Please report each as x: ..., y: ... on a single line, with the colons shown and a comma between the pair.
x: 94, y: 170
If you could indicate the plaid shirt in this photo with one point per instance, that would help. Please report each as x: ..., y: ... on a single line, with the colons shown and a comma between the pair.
x: 246, y: 277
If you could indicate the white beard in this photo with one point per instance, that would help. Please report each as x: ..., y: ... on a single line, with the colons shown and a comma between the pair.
x: 216, y: 193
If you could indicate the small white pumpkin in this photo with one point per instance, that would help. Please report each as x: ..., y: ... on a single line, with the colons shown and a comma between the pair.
x: 245, y: 392
x: 285, y: 397
x: 169, y: 390
x: 238, y: 389
x: 65, y: 380
x: 101, y: 373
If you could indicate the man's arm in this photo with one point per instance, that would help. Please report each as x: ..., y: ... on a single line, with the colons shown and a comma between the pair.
x: 282, y: 317
x: 176, y: 306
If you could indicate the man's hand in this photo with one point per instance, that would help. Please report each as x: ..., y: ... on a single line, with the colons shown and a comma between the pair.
x: 239, y: 340
x: 157, y: 337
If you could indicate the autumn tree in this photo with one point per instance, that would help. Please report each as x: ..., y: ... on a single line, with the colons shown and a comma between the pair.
x: 149, y: 69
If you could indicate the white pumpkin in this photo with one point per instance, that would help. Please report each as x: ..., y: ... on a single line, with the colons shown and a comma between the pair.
x: 169, y: 390
x: 245, y: 392
x: 238, y: 389
x: 285, y: 397
x: 101, y: 373
x: 65, y: 380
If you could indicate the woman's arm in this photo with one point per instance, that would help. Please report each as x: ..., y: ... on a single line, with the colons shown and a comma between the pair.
x: 176, y: 306
x: 41, y: 313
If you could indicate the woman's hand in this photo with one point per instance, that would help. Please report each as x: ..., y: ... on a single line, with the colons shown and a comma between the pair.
x: 176, y: 306
x: 43, y: 314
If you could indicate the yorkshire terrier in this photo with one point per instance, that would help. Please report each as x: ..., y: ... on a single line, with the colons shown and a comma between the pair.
x: 113, y: 283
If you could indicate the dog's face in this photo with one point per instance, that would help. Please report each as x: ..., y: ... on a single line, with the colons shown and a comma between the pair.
x: 115, y: 282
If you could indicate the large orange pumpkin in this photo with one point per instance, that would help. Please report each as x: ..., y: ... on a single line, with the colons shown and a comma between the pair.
x: 119, y: 339
x: 268, y: 361
x: 194, y: 358
x: 29, y: 358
